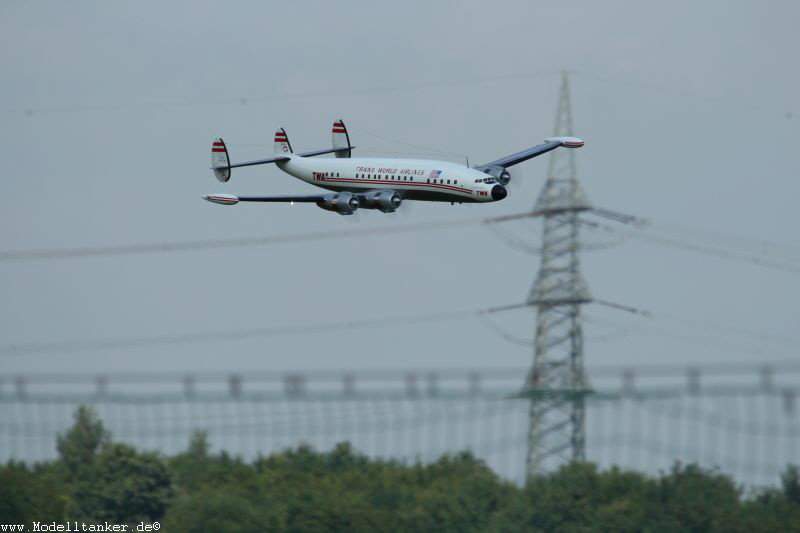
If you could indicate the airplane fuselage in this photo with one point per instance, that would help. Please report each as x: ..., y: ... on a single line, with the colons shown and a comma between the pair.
x: 413, y: 179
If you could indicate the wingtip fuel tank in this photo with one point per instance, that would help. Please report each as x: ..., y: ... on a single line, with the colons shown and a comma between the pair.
x: 224, y: 199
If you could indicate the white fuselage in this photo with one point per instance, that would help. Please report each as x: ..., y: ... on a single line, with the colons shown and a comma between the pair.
x: 412, y: 179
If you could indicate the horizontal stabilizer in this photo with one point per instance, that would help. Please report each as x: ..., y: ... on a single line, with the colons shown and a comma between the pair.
x: 259, y: 162
x: 336, y: 151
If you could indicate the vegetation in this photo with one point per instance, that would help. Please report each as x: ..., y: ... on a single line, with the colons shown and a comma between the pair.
x: 300, y: 490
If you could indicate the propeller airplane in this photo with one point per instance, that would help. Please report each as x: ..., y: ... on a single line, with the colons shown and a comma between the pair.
x: 378, y: 183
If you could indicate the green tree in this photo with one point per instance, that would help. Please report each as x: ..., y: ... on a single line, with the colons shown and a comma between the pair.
x: 300, y: 490
x: 579, y: 497
x: 79, y: 446
x: 790, y: 480
x: 122, y: 486
x: 109, y: 481
x: 197, y: 467
x: 222, y: 508
x: 456, y: 493
x: 690, y: 498
x: 31, y: 493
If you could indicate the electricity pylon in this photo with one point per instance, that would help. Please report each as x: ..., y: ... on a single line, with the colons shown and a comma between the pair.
x: 556, y: 384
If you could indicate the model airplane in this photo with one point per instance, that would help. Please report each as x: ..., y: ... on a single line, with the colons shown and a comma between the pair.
x: 382, y: 184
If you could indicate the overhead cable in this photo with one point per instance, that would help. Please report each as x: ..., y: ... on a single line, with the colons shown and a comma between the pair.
x: 213, y: 244
x: 244, y: 100
x: 704, y: 249
x: 226, y: 336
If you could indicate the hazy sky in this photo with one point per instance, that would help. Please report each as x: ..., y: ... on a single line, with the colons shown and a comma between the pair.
x: 689, y: 111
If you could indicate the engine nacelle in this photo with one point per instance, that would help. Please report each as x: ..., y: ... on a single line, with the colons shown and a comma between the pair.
x: 502, y: 175
x: 344, y: 203
x: 385, y: 201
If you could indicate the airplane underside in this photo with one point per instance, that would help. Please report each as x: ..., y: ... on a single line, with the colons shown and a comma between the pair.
x: 428, y: 196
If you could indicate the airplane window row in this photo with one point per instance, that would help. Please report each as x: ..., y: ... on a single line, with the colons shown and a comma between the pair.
x: 331, y: 174
x: 407, y: 178
x: 387, y: 177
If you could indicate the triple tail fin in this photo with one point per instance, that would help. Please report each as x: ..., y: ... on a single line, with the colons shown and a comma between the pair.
x: 341, y: 140
x: 282, y: 146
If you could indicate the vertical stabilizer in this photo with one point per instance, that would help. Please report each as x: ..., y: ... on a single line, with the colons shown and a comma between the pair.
x: 341, y: 139
x: 282, y: 145
x: 220, y: 161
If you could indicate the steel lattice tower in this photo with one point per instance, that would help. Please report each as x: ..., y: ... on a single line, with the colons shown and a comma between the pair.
x: 556, y: 384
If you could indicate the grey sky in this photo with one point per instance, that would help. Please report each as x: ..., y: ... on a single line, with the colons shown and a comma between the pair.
x: 689, y: 111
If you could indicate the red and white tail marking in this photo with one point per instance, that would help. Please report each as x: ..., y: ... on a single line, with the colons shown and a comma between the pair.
x: 282, y: 145
x: 341, y: 140
x: 220, y: 161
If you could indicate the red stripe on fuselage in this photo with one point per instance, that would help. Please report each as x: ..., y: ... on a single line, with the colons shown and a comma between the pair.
x: 367, y: 182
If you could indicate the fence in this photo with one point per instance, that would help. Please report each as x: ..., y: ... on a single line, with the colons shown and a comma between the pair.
x: 740, y: 419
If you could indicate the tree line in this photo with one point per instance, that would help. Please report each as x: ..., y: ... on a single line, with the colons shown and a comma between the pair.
x: 96, y: 480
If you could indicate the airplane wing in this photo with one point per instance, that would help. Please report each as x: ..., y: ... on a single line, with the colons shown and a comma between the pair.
x: 344, y: 203
x: 549, y: 144
x: 230, y: 199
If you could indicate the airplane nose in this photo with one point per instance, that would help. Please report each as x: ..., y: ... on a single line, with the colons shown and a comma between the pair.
x: 499, y: 192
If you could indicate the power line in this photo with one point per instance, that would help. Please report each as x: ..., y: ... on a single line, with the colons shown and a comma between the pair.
x: 646, y: 231
x: 514, y: 242
x: 226, y: 336
x: 214, y: 244
x: 706, y: 335
x: 704, y: 249
x: 706, y: 325
x: 398, y: 141
x: 702, y: 339
x: 242, y: 100
x: 393, y: 88
x: 730, y: 240
x: 705, y: 97
x: 727, y: 423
